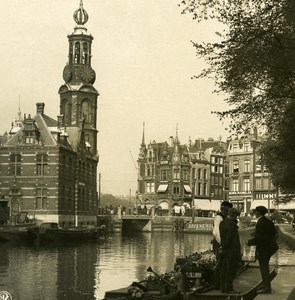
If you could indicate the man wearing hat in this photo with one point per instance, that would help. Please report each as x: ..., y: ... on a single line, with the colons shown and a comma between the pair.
x: 230, y: 250
x: 265, y: 241
x: 221, y: 215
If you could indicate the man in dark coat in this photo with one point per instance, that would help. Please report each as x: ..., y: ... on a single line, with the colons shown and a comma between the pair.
x: 265, y: 241
x: 221, y: 215
x: 230, y: 250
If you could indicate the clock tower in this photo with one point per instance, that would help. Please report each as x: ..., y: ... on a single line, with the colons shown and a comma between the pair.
x: 78, y: 97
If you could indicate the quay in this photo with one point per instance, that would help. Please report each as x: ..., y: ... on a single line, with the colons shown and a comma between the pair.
x: 283, y: 285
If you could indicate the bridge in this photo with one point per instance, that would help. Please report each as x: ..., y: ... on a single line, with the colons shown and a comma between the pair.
x: 152, y: 222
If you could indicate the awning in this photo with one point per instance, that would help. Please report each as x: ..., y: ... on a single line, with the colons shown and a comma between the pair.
x: 164, y: 205
x: 206, y: 204
x: 287, y: 206
x: 187, y: 188
x: 262, y: 202
x: 162, y: 188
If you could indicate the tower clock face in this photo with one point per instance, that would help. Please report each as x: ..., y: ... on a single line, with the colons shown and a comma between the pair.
x: 87, y: 74
x: 67, y: 73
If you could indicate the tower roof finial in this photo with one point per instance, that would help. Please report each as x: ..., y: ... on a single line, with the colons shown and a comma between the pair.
x: 80, y: 15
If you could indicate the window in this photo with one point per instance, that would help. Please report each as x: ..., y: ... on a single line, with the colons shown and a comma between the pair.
x: 247, y: 147
x: 236, y: 166
x: 199, y: 188
x: 199, y: 173
x: 148, y: 170
x: 176, y: 190
x: 77, y: 53
x: 41, y: 198
x: 236, y: 185
x: 247, y: 185
x: 205, y: 174
x: 176, y: 174
x: 85, y: 53
x: 266, y: 183
x: 150, y: 187
x: 15, y: 164
x: 86, y: 114
x: 41, y: 164
x: 205, y: 189
x: 185, y: 175
x: 221, y: 169
x: 164, y: 175
x: 235, y: 147
x: 258, y: 183
x: 29, y: 139
x: 247, y: 165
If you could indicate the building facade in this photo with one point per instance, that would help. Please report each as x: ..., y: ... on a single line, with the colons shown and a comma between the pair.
x: 172, y: 174
x: 48, y: 167
x: 249, y: 181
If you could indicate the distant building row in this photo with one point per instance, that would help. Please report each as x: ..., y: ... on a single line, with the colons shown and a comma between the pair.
x: 203, y: 173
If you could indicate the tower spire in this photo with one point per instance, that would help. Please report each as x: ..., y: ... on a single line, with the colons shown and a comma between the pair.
x: 176, y: 137
x: 143, y: 139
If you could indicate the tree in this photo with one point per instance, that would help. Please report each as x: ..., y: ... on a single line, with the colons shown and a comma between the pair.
x: 254, y: 65
x: 278, y: 154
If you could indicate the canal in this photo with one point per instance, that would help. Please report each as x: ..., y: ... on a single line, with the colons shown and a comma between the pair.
x: 87, y: 271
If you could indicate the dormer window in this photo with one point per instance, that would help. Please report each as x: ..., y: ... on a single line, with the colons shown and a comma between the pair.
x: 29, y: 139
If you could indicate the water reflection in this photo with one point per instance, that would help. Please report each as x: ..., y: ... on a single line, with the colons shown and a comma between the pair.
x: 87, y: 271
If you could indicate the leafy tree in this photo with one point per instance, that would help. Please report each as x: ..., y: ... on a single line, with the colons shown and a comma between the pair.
x: 111, y: 200
x: 253, y: 63
x: 279, y: 153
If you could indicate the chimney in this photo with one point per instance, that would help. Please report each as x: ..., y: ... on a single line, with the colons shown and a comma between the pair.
x: 60, y: 121
x: 40, y: 108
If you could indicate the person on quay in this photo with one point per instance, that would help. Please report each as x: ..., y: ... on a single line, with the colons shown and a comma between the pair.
x: 221, y: 215
x: 265, y: 241
x: 230, y: 251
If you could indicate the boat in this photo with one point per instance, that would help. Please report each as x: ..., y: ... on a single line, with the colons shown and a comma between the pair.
x: 18, y: 232
x: 247, y: 282
x: 52, y: 232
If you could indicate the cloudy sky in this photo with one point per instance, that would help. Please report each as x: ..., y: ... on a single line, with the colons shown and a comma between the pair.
x: 144, y: 61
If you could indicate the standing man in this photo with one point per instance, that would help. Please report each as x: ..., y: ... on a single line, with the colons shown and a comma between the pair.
x: 230, y: 251
x: 265, y: 241
x: 221, y: 215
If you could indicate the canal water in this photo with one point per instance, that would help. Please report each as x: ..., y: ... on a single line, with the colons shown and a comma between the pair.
x: 87, y: 271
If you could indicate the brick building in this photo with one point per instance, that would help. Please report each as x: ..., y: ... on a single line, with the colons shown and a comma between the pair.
x: 48, y: 167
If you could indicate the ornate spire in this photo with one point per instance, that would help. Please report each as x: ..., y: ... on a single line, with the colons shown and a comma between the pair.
x: 143, y: 141
x: 80, y: 15
x: 176, y: 137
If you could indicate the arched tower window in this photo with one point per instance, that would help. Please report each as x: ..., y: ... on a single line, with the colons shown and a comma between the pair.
x: 86, y: 113
x: 85, y: 53
x: 77, y: 53
x: 67, y: 111
x: 71, y: 53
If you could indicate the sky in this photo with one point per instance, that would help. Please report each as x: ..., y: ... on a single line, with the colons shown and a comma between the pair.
x: 144, y: 61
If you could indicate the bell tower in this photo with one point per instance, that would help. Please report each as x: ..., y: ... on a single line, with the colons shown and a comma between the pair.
x: 78, y: 97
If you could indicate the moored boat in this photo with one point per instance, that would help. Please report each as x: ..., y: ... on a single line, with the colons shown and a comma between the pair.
x: 19, y: 232
x: 198, y: 285
x: 51, y: 232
